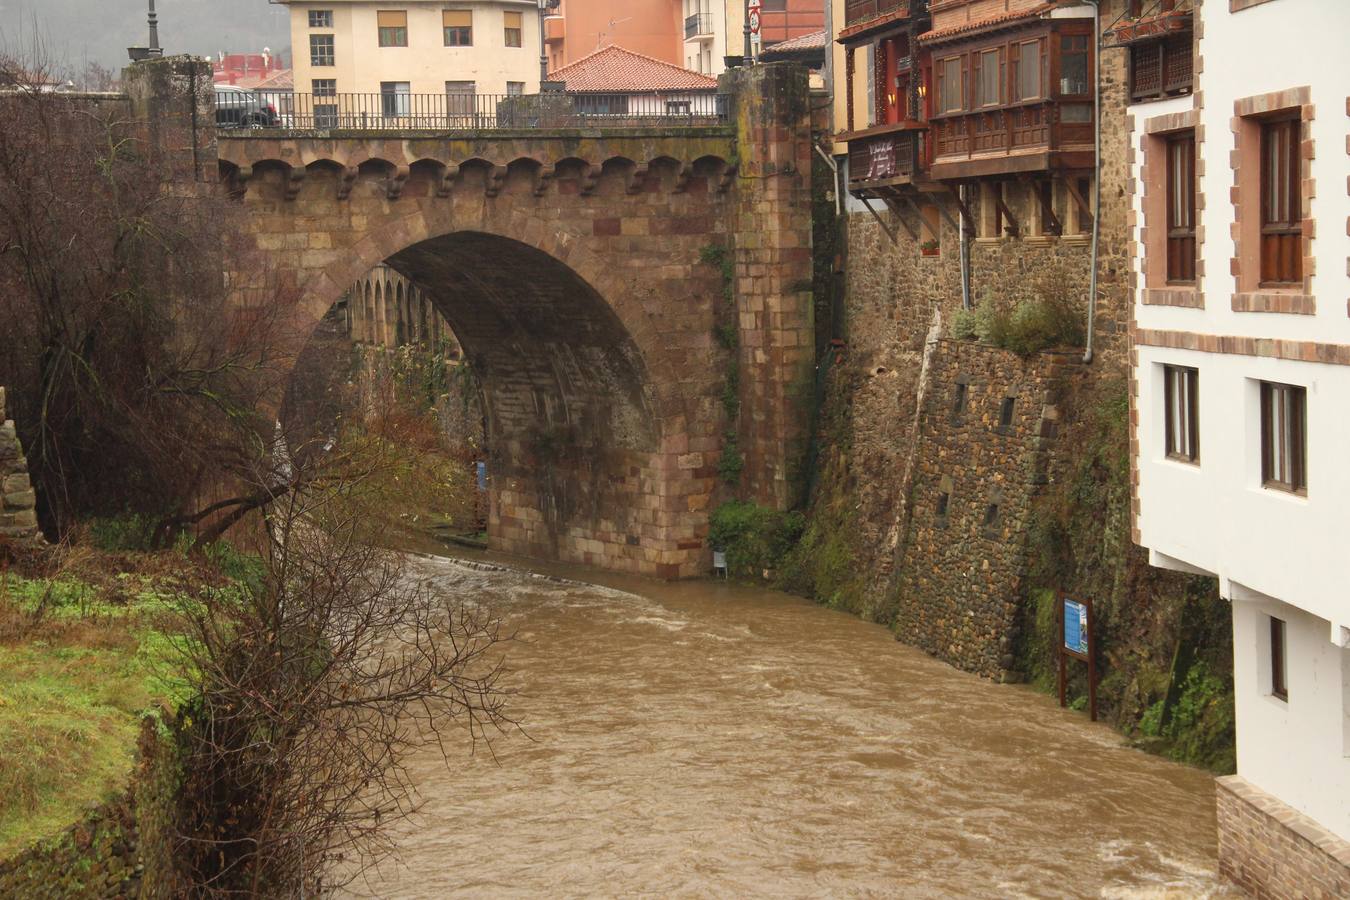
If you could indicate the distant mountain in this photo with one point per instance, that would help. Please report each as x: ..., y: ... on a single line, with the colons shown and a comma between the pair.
x: 75, y: 33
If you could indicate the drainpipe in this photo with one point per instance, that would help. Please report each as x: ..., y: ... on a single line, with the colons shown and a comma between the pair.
x: 965, y: 252
x: 1097, y: 171
x: 834, y: 167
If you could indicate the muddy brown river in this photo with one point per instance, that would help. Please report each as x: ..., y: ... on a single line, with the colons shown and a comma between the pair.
x: 703, y: 739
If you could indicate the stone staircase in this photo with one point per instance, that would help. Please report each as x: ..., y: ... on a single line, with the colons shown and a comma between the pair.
x: 18, y: 516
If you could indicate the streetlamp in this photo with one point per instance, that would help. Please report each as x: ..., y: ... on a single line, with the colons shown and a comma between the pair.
x: 749, y: 59
x: 545, y: 7
x: 139, y: 54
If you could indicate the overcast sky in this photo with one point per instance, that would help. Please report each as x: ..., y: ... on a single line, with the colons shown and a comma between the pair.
x: 101, y: 30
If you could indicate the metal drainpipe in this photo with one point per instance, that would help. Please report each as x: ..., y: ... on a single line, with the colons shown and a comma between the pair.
x: 1096, y: 171
x: 965, y: 252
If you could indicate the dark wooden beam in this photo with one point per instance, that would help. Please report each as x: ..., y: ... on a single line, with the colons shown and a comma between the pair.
x: 954, y: 191
x: 1083, y: 206
x: 1047, y: 211
x: 1012, y: 227
x: 884, y: 227
x: 893, y: 203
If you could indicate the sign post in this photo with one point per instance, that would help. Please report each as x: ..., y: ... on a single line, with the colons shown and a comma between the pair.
x: 1076, y: 639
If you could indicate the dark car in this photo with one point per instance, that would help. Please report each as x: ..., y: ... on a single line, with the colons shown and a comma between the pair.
x: 237, y: 107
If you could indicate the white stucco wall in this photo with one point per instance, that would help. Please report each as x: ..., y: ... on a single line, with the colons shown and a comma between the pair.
x: 1274, y: 553
x: 426, y: 63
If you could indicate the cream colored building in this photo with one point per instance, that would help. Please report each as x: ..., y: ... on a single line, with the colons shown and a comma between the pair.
x: 425, y: 50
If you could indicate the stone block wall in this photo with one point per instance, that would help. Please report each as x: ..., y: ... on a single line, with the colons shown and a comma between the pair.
x: 988, y: 421
x: 1270, y: 850
x: 18, y: 501
x: 123, y: 848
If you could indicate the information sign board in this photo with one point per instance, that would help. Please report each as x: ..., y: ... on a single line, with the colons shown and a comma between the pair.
x: 1075, y: 627
x: 754, y: 21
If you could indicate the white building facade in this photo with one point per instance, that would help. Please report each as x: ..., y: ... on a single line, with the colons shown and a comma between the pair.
x: 1241, y: 390
x: 418, y: 48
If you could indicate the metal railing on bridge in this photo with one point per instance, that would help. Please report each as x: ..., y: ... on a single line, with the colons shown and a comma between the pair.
x: 397, y: 111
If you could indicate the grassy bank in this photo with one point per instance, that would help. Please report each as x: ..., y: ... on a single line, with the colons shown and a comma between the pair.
x: 85, y: 652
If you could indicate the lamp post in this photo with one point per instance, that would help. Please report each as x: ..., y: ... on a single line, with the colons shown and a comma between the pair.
x: 139, y: 54
x: 749, y: 52
x: 545, y: 6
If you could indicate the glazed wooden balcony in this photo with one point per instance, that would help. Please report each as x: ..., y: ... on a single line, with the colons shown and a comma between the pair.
x: 1025, y: 137
x: 887, y: 155
x: 857, y: 12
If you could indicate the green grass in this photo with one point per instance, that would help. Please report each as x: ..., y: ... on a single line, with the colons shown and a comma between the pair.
x: 79, y: 665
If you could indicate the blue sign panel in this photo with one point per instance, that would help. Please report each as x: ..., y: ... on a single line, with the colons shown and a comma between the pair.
x: 482, y: 476
x: 1075, y: 626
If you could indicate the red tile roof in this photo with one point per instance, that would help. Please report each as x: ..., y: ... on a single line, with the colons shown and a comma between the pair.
x: 614, y: 70
x: 813, y: 41
x: 989, y: 23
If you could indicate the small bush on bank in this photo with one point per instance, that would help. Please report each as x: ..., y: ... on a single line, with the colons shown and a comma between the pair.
x: 755, y: 538
x: 1051, y: 318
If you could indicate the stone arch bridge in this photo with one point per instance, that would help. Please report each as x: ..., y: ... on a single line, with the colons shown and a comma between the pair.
x: 572, y: 266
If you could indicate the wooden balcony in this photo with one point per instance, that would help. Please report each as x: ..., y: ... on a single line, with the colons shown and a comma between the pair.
x: 1039, y: 136
x: 887, y: 155
x: 858, y: 12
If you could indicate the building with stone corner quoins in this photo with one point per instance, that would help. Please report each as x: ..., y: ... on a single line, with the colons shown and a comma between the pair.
x: 1239, y: 113
x: 459, y: 53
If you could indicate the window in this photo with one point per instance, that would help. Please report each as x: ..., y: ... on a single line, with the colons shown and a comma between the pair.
x: 1005, y: 412
x: 1029, y: 70
x: 320, y: 18
x: 962, y: 396
x: 1279, y: 672
x: 989, y: 78
x: 514, y: 29
x: 1281, y: 204
x: 395, y: 98
x: 1283, y: 437
x: 1181, y: 209
x: 991, y: 515
x: 943, y: 500
x: 950, y: 89
x: 324, y: 87
x: 678, y: 107
x: 393, y: 27
x: 460, y: 98
x: 1181, y: 406
x: 458, y: 24
x: 1161, y: 68
x: 321, y: 50
x: 515, y: 88
x: 1073, y: 64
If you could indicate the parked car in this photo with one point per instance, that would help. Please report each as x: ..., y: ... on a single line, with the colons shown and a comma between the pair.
x: 238, y: 107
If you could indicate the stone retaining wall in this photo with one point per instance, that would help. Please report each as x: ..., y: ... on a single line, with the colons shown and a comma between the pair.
x: 988, y: 421
x: 1270, y: 850
x: 18, y: 502
x: 123, y: 848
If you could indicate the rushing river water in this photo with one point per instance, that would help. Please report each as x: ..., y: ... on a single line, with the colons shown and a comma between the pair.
x: 702, y: 739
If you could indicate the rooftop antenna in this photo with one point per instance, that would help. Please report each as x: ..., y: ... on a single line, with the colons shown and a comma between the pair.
x: 139, y: 54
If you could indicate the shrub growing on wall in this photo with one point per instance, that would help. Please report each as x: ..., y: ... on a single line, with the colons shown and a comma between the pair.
x: 755, y: 538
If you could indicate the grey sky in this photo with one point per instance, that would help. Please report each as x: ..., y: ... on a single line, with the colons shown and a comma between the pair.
x: 101, y: 30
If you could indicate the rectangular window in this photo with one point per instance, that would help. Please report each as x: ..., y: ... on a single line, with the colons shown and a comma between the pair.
x: 989, y: 78
x: 515, y: 88
x: 1181, y: 209
x: 324, y: 87
x: 1182, y: 409
x: 1279, y: 672
x: 458, y: 24
x: 321, y: 50
x: 1073, y: 65
x: 320, y: 18
x: 1284, y: 437
x: 393, y: 25
x: 1029, y: 70
x: 515, y: 28
x: 395, y: 98
x: 1281, y: 204
x: 951, y: 92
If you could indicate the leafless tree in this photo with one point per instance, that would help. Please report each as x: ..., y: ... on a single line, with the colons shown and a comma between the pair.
x: 140, y: 379
x: 313, y: 681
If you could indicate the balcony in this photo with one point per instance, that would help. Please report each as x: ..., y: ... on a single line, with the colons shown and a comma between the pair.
x: 1036, y: 136
x: 886, y: 156
x: 698, y: 26
x: 858, y: 12
x: 555, y: 29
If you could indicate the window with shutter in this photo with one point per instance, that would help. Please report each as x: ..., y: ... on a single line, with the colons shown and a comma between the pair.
x: 458, y: 25
x: 393, y: 27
